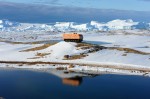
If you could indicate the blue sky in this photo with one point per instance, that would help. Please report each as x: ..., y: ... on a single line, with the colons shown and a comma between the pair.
x: 137, y: 5
x: 47, y: 11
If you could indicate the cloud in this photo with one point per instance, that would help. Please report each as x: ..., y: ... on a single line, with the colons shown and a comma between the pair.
x: 144, y: 0
x: 54, y: 1
x: 48, y: 14
x: 48, y: 2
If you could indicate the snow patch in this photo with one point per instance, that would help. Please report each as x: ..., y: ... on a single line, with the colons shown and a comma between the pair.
x: 60, y: 49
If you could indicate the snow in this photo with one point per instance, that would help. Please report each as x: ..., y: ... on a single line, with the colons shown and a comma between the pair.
x: 121, y: 24
x: 63, y: 24
x: 57, y: 51
x: 60, y: 49
x: 1, y: 21
x: 114, y: 56
x: 126, y: 41
x: 9, y: 52
x: 112, y: 25
x: 117, y: 24
x: 77, y: 69
x: 81, y: 27
x: 119, y: 35
x: 12, y: 52
x: 1, y: 26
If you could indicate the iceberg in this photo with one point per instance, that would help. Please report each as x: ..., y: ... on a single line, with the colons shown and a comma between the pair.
x: 117, y: 24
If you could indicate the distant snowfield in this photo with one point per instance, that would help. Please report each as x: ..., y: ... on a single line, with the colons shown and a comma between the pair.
x: 134, y: 41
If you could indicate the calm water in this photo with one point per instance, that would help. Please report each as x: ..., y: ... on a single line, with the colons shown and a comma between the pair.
x: 26, y: 84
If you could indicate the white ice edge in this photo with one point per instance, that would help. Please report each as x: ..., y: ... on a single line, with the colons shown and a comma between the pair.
x: 76, y: 68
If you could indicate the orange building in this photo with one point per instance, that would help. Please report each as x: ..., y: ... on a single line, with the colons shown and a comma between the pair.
x: 73, y: 37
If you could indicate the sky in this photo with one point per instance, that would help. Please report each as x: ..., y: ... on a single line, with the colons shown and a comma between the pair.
x: 137, y: 5
x: 47, y: 11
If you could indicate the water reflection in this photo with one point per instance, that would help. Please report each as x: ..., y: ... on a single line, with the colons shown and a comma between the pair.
x: 72, y: 81
x: 97, y: 42
x: 69, y: 77
x: 2, y: 98
x: 57, y: 84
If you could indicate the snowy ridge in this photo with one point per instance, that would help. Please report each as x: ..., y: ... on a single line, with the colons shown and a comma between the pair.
x: 129, y: 24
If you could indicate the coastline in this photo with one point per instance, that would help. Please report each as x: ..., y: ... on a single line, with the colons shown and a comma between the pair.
x: 87, y: 67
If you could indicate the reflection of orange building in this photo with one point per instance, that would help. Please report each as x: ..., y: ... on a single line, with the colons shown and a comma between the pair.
x: 72, y: 81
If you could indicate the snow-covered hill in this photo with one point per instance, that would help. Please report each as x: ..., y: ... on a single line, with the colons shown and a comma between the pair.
x: 129, y: 24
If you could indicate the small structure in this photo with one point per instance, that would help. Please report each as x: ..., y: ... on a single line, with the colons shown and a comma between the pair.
x: 73, y: 37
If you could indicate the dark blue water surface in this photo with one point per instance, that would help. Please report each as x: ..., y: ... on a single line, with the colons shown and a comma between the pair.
x: 26, y: 84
